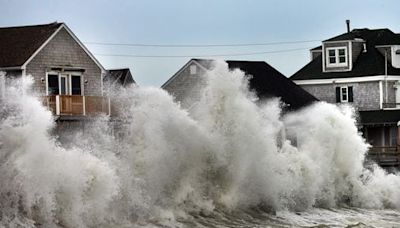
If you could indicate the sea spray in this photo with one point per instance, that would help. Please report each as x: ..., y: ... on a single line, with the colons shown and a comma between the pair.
x: 49, y: 184
x: 230, y: 153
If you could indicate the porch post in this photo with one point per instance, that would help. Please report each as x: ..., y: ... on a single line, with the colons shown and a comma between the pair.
x: 84, y: 105
x: 58, y: 105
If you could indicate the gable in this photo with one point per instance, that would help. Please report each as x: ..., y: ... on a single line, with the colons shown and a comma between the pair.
x: 62, y: 50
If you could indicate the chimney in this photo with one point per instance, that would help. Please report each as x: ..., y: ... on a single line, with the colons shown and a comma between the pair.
x: 348, y: 26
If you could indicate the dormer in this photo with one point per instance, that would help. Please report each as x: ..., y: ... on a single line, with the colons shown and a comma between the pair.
x: 336, y: 56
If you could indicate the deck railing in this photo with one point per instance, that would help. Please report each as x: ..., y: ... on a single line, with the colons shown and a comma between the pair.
x: 391, y: 105
x: 76, y: 105
x: 385, y: 156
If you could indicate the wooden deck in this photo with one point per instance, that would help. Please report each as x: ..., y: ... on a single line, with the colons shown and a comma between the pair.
x: 385, y: 156
x: 76, y: 105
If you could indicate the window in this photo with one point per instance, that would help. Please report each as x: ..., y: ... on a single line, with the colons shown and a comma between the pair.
x: 336, y: 56
x: 344, y: 94
x: 52, y: 84
x: 75, y: 85
x: 193, y: 69
x: 64, y: 84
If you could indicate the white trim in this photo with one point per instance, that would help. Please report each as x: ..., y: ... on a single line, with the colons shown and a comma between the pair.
x: 350, y: 54
x: 343, y: 41
x: 11, y: 68
x: 67, y: 86
x: 337, y: 56
x: 380, y: 95
x: 346, y: 80
x: 383, y: 46
x: 323, y: 58
x: 69, y: 81
x: 181, y: 70
x: 74, y: 37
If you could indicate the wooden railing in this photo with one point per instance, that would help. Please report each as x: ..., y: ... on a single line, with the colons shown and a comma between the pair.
x: 76, y: 105
x: 391, y: 105
x: 385, y: 156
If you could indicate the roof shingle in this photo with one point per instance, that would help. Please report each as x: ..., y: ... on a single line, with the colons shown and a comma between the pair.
x: 17, y: 44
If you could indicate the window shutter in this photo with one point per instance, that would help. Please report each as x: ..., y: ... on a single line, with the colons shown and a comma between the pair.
x: 350, y: 92
x: 337, y: 94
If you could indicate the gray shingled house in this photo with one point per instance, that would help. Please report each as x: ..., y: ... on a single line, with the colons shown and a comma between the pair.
x: 68, y: 76
x: 266, y: 82
x: 121, y: 77
x: 362, y: 68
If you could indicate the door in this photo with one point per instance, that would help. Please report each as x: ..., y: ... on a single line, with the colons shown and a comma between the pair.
x: 64, y: 88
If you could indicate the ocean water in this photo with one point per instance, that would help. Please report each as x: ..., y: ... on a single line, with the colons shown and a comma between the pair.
x: 231, y: 161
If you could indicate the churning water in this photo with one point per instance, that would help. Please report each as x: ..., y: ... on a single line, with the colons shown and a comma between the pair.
x: 229, y: 163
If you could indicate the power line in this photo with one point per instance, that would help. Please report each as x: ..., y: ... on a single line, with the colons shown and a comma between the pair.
x: 194, y: 56
x: 200, y: 45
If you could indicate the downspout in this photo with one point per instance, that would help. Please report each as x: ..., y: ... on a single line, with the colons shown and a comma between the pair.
x: 386, y: 75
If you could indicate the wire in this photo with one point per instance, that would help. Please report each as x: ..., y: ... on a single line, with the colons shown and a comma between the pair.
x: 193, y: 56
x: 199, y: 45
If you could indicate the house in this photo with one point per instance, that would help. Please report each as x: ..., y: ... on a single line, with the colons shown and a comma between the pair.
x: 121, y: 77
x: 65, y: 73
x: 361, y: 68
x: 266, y: 81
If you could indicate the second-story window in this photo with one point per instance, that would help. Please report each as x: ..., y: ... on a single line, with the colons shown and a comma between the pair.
x: 336, y: 56
x: 344, y: 94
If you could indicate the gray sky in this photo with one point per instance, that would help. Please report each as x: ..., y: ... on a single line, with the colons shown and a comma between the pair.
x: 202, y: 22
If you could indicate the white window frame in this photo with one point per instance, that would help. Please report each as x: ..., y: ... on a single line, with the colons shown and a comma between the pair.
x: 337, y: 63
x: 341, y: 94
x: 68, y: 81
x: 193, y: 69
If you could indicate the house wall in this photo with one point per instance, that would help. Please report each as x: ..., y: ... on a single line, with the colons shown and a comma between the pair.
x: 63, y: 50
x: 395, y: 57
x: 366, y: 95
x: 186, y: 87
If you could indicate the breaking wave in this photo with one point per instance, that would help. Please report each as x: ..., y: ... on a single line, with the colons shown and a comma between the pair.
x: 229, y: 155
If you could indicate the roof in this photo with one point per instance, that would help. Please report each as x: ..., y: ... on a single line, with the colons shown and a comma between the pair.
x: 122, y: 76
x: 17, y: 44
x: 378, y: 117
x: 367, y: 63
x: 319, y: 48
x: 267, y: 82
x: 380, y: 36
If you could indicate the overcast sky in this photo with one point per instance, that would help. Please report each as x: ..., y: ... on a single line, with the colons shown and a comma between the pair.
x: 202, y: 22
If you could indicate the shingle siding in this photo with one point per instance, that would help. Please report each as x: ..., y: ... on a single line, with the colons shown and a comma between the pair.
x: 365, y: 94
x: 63, y: 50
x: 186, y: 87
x: 357, y: 48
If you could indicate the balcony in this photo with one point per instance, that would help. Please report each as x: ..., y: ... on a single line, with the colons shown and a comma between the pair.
x: 76, y: 105
x: 385, y: 156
